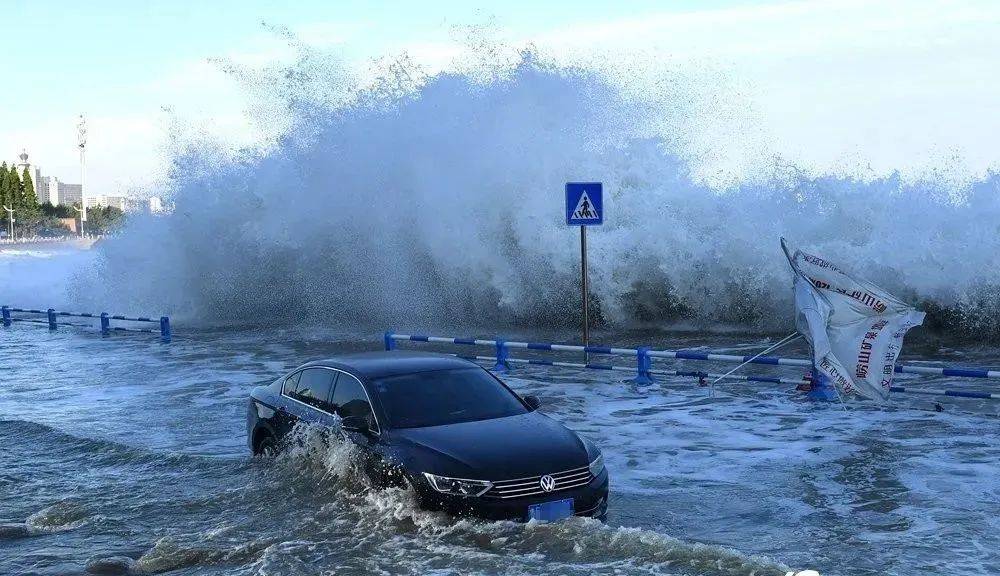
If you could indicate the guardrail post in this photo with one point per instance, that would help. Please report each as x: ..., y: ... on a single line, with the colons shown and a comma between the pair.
x: 6, y: 316
x: 165, y: 329
x: 105, y: 324
x: 390, y: 342
x: 52, y: 319
x: 643, y: 365
x: 501, y: 365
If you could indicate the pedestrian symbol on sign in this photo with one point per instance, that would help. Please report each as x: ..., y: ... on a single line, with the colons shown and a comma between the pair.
x: 584, y: 210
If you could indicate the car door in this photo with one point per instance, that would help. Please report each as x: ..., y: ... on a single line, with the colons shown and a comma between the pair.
x: 351, y: 400
x: 309, y: 401
x: 284, y: 419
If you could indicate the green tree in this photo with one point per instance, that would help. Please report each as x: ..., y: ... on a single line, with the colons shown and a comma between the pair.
x: 4, y: 191
x: 28, y: 198
x: 60, y: 211
x: 104, y: 219
x: 14, y: 189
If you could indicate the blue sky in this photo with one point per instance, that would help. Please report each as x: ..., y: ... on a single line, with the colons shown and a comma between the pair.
x: 832, y: 84
x: 124, y: 46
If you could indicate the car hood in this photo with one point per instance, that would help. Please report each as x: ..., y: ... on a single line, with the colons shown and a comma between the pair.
x: 529, y: 444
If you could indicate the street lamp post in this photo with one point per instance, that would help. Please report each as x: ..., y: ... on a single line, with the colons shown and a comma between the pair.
x: 10, y: 218
x: 81, y: 138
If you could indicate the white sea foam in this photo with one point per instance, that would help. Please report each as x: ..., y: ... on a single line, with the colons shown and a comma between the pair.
x: 421, y: 199
x: 40, y: 278
x: 411, y: 540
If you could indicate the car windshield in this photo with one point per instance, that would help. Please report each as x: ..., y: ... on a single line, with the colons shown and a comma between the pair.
x: 445, y: 397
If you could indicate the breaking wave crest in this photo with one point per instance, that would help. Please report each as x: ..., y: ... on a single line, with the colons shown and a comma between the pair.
x: 418, y: 199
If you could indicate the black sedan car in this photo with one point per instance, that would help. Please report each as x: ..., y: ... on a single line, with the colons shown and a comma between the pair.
x: 443, y: 427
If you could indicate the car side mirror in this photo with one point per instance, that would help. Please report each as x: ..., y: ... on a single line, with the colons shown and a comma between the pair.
x: 532, y: 401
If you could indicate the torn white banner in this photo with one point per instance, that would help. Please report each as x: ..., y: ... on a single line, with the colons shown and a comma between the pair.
x: 855, y: 328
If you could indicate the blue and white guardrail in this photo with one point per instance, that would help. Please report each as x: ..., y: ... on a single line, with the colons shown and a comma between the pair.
x: 644, y: 356
x: 52, y: 320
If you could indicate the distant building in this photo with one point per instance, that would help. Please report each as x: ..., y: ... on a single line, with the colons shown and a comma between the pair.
x: 46, y: 192
x: 36, y: 173
x: 50, y: 189
x: 68, y: 194
x: 119, y: 202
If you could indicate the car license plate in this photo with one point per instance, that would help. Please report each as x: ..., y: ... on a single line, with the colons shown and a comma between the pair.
x: 549, y: 511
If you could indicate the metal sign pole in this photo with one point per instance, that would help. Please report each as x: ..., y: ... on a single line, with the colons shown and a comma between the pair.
x: 584, y: 207
x: 586, y: 297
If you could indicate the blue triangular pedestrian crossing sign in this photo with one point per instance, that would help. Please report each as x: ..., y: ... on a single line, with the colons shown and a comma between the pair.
x: 584, y: 204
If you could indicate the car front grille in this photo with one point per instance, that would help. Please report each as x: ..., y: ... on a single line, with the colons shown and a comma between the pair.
x: 531, y: 486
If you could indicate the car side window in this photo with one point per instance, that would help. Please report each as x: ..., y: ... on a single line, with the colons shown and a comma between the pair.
x: 349, y: 398
x: 288, y: 388
x: 314, y: 387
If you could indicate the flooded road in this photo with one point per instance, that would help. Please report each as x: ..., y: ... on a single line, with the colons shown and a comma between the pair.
x: 126, y: 456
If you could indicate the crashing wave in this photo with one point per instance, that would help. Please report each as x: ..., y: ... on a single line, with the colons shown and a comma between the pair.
x: 418, y: 199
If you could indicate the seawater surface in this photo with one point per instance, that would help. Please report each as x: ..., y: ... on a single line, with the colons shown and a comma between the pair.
x: 122, y: 455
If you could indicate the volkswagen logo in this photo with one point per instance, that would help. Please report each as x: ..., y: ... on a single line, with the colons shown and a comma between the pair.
x: 548, y: 483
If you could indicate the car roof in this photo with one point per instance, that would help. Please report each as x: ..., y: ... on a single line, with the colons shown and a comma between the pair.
x: 392, y: 362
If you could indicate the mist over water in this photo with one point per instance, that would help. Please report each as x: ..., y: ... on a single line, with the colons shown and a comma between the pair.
x: 412, y: 199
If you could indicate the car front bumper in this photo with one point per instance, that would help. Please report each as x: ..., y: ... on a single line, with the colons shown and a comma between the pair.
x: 590, y: 501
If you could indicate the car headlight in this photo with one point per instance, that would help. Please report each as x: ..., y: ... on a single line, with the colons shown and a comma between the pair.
x: 597, y: 466
x: 458, y: 486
